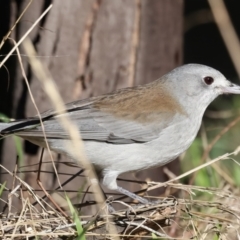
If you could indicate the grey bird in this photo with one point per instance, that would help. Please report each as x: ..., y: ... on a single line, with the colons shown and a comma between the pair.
x: 133, y: 128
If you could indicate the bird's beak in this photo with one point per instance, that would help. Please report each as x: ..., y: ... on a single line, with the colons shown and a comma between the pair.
x: 231, y: 89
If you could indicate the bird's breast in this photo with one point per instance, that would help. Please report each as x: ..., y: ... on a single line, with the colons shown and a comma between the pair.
x: 175, y: 139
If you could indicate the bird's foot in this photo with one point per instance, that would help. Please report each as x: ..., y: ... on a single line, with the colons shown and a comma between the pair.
x: 134, y: 196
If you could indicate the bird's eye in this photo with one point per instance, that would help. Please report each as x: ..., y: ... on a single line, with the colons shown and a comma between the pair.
x: 208, y: 80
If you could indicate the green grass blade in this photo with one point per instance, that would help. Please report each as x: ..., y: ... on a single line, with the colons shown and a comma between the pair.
x: 80, y: 230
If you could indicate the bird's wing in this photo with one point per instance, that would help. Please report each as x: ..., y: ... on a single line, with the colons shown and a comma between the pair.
x: 121, y: 119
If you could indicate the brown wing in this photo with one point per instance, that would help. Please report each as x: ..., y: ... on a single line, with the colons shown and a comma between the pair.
x: 126, y: 116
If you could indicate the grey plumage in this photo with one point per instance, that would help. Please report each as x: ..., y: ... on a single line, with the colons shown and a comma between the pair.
x: 134, y: 128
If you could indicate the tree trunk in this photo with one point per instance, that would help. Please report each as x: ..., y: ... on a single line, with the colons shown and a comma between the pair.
x: 94, y: 47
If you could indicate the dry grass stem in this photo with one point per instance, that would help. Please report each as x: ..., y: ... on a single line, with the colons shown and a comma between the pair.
x: 15, y: 24
x: 227, y: 31
x: 25, y: 35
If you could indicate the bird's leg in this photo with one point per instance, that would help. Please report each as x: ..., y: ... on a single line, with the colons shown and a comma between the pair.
x: 109, y: 180
x: 133, y: 195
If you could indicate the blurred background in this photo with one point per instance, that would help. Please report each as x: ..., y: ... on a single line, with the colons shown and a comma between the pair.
x: 97, y: 46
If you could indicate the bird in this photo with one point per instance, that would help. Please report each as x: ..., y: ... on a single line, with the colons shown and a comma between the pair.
x: 134, y: 128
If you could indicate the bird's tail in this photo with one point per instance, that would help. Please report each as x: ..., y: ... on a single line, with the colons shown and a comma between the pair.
x: 14, y: 126
x: 4, y: 125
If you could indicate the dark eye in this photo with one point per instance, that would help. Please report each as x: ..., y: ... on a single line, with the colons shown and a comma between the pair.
x: 208, y: 80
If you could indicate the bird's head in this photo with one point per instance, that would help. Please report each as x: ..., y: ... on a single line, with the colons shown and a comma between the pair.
x: 196, y: 85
